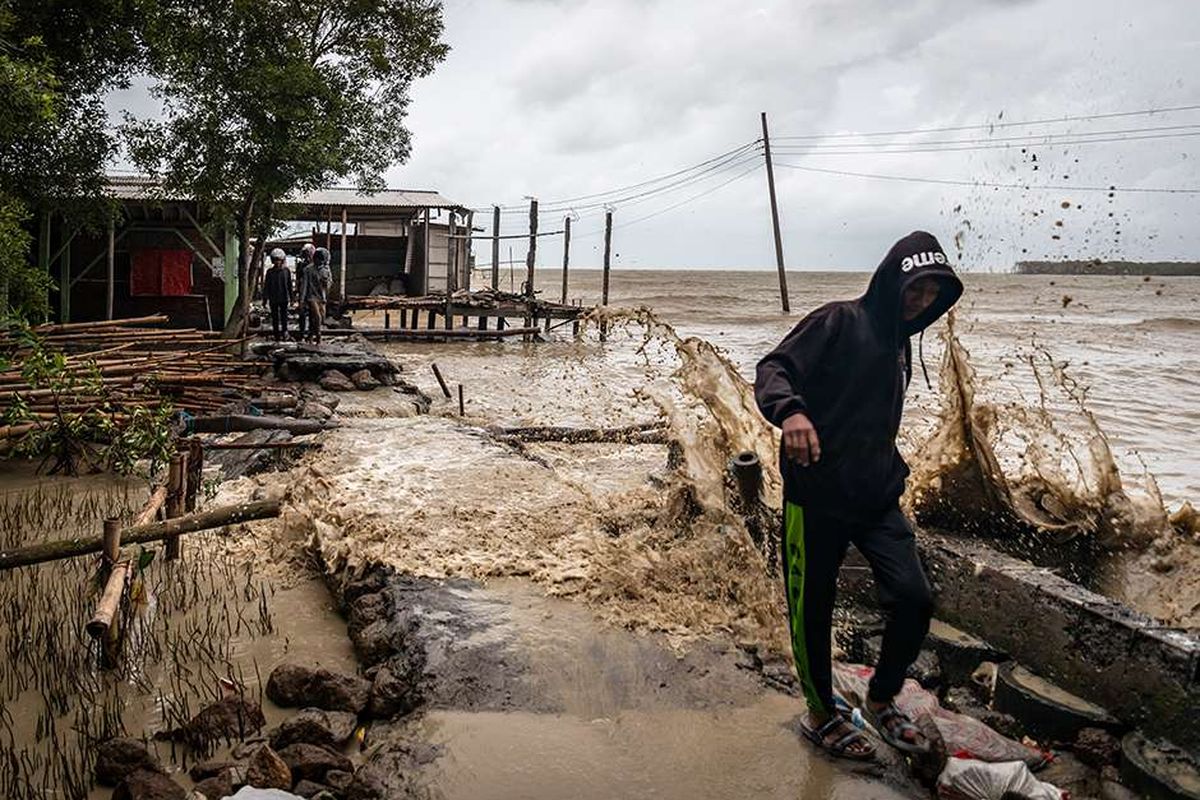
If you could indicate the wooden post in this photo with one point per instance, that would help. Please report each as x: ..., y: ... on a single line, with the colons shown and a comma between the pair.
x: 530, y: 262
x: 566, y: 256
x: 194, y: 473
x: 607, y: 269
x: 451, y: 255
x: 64, y: 282
x: 176, y: 488
x: 112, y: 270
x: 112, y: 541
x: 428, y: 247
x: 783, y: 291
x: 469, y: 240
x: 342, y: 279
x: 329, y: 228
x: 437, y: 373
x: 404, y: 318
x: 461, y: 406
x: 387, y: 320
x: 495, y: 247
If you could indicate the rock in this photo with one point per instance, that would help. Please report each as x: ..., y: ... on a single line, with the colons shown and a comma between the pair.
x: 268, y: 771
x: 374, y: 643
x: 147, y: 785
x: 217, y: 786
x: 229, y: 719
x: 309, y: 789
x: 209, y: 769
x: 335, y: 381
x: 310, y: 762
x: 364, y: 380
x: 338, y: 779
x: 293, y: 685
x: 315, y: 410
x: 366, y: 609
x: 366, y: 785
x: 393, y: 691
x: 118, y: 758
x: 1097, y: 747
x: 374, y: 581
x: 248, y: 461
x: 315, y: 726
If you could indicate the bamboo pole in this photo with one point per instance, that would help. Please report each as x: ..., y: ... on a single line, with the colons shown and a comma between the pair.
x: 153, y: 504
x: 112, y: 541
x: 110, y: 601
x: 176, y: 489
x: 141, y: 534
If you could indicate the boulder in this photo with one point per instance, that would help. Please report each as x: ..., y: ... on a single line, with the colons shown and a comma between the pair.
x: 147, y: 785
x: 227, y: 719
x: 217, y: 786
x: 338, y: 779
x: 335, y: 381
x: 208, y: 769
x: 268, y: 771
x: 309, y: 789
x: 366, y: 785
x: 367, y: 609
x: 364, y: 380
x: 296, y: 686
x: 393, y: 691
x: 374, y: 643
x: 314, y: 410
x: 310, y: 762
x: 315, y: 726
x: 1097, y: 747
x: 117, y: 758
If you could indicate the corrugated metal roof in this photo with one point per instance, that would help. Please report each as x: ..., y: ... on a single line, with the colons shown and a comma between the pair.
x: 140, y: 187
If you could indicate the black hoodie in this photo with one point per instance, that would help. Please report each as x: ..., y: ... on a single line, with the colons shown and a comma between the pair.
x: 846, y: 366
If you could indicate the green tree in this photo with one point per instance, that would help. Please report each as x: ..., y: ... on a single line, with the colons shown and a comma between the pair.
x: 264, y: 98
x: 58, y: 59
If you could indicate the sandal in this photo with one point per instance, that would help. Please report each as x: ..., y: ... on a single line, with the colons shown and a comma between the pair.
x: 891, y: 724
x: 839, y: 748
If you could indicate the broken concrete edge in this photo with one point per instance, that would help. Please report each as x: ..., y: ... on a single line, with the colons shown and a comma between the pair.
x: 1090, y: 645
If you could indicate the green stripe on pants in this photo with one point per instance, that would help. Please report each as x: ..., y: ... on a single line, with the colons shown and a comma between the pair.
x: 793, y: 566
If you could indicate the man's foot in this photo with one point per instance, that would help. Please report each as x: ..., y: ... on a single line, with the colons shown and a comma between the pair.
x: 896, y: 728
x: 836, y: 735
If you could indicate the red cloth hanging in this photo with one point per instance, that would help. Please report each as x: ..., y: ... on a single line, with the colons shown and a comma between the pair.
x: 176, y: 272
x: 158, y: 272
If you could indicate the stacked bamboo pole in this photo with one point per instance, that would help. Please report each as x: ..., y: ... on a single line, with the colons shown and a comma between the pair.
x: 122, y: 364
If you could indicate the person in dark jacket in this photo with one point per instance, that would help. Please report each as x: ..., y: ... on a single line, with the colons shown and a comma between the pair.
x: 316, y: 281
x: 835, y: 386
x: 277, y: 291
x: 302, y: 262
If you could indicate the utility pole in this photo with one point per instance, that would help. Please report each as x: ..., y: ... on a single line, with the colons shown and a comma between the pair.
x: 783, y: 291
x: 607, y: 269
x: 530, y: 260
x: 496, y: 247
x: 566, y: 255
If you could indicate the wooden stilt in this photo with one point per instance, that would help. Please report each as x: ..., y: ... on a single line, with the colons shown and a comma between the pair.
x: 176, y: 489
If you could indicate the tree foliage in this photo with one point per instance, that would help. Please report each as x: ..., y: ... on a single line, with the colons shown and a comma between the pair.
x: 264, y: 98
x: 58, y: 58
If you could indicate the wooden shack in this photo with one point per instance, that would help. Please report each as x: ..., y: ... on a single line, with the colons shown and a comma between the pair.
x: 167, y: 254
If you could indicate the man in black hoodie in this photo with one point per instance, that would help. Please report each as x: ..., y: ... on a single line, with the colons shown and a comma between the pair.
x: 835, y: 386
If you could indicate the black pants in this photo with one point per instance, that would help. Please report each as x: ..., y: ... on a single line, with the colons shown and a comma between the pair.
x: 279, y: 319
x: 813, y: 546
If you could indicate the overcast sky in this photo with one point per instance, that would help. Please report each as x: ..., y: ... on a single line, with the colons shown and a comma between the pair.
x: 562, y: 98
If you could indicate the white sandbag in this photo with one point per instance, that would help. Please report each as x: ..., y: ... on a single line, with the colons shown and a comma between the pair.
x: 968, y: 779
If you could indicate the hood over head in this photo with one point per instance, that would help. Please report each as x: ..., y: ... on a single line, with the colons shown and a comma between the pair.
x: 321, y: 256
x: 916, y: 256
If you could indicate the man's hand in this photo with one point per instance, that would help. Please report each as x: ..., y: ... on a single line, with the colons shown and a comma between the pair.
x: 800, y: 442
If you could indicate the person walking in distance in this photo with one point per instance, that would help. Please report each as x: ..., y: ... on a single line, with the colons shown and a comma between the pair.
x: 277, y: 291
x: 835, y: 387
x: 302, y: 262
x: 317, y: 279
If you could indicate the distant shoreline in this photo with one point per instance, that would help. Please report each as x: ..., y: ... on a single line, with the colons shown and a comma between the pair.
x: 1164, y: 268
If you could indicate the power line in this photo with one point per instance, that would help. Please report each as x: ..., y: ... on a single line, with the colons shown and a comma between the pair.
x: 993, y: 125
x: 566, y: 201
x: 987, y: 184
x: 674, y: 206
x: 917, y: 148
x: 1045, y: 138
